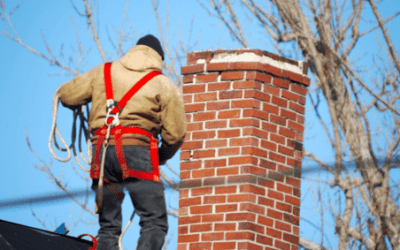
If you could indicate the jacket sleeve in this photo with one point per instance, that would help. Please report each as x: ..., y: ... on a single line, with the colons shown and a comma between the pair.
x: 173, y: 121
x: 78, y: 91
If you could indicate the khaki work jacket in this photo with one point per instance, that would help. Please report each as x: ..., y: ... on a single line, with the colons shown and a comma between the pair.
x: 157, y: 107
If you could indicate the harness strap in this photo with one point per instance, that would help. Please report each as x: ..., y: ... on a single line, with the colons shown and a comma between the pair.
x: 119, y: 130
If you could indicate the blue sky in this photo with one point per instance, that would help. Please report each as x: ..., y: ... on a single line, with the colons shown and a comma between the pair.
x: 28, y: 83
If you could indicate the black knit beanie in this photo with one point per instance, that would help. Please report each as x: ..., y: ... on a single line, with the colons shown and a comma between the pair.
x: 152, y: 42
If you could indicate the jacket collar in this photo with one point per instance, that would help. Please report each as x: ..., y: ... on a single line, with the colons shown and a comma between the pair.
x: 141, y: 58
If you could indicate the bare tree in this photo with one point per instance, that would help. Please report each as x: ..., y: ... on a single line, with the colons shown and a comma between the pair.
x: 327, y: 33
x: 75, y: 64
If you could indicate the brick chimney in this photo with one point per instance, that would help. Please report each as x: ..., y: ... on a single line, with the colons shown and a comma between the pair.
x: 241, y: 160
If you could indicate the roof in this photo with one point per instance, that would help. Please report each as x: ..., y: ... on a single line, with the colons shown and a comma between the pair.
x: 19, y: 237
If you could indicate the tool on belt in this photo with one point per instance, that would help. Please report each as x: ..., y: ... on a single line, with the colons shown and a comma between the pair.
x: 112, y: 126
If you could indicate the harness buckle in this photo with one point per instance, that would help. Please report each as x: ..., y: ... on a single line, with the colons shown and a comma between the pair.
x: 111, y: 118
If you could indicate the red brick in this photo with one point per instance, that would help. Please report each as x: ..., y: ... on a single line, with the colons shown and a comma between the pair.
x: 189, y: 202
x: 251, y: 227
x: 283, y: 226
x: 189, y: 220
x: 275, y: 176
x: 291, y: 238
x: 240, y: 236
x: 188, y: 117
x: 200, y: 228
x: 214, y: 181
x: 187, y: 79
x: 229, y: 114
x: 293, y: 182
x: 203, y: 173
x: 270, y: 108
x: 302, y: 100
x: 295, y: 126
x: 255, y: 132
x: 201, y: 135
x: 283, y: 207
x: 254, y: 151
x: 252, y: 170
x: 242, y: 179
x: 225, y: 226
x: 289, y: 95
x: 269, y: 127
x: 292, y: 200
x: 204, y: 116
x: 298, y: 89
x: 257, y: 95
x: 254, y: 75
x: 232, y: 75
x: 219, y: 86
x: 291, y: 219
x: 296, y: 107
x: 247, y: 188
x: 203, y: 153
x: 188, y: 238
x: 218, y: 105
x: 300, y: 119
x: 273, y: 70
x: 217, y: 66
x: 274, y: 214
x: 186, y: 89
x: 266, y: 183
x: 277, y: 138
x: 187, y: 98
x: 265, y: 221
x: 295, y: 77
x: 212, y: 217
x: 287, y: 132
x: 230, y: 94
x: 183, y: 211
x: 274, y: 233
x: 285, y: 151
x: 242, y: 160
x: 205, y: 97
x: 200, y: 245
x: 194, y: 126
x: 245, y: 104
x: 252, y: 208
x: 214, y: 199
x: 296, y: 192
x: 212, y: 236
x: 272, y: 90
x: 275, y: 195
x: 201, y: 191
x: 277, y: 119
x: 241, y: 197
x: 228, y: 133
x: 288, y: 114
x: 243, y: 141
x: 282, y: 245
x: 227, y: 171
x: 256, y: 113
x: 240, y: 216
x: 183, y: 193
x: 183, y: 230
x: 184, y: 175
x: 201, y: 209
x: 192, y: 145
x: 244, y: 123
x: 249, y: 245
x: 216, y: 124
x: 296, y: 230
x: 281, y: 82
x: 264, y: 240
x: 192, y: 69
x: 265, y: 201
x: 226, y: 208
x: 216, y: 143
x: 268, y: 145
x: 226, y: 190
x: 279, y: 101
x: 190, y: 165
x: 206, y: 78
x: 215, y: 163
x: 247, y: 85
x: 224, y: 245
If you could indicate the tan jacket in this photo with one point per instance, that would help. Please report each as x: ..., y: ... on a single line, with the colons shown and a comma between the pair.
x: 157, y: 107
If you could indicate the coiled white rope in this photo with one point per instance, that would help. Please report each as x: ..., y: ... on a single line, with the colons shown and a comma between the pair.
x: 78, y: 113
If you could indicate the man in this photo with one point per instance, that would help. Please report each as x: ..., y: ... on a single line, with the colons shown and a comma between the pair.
x: 156, y: 108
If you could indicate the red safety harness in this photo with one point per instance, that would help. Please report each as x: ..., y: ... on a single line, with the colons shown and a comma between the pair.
x: 112, y: 120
